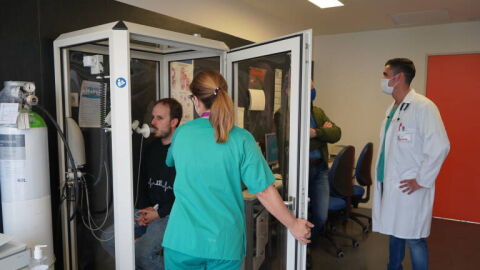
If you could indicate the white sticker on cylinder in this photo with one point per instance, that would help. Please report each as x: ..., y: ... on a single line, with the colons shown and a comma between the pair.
x: 12, y: 147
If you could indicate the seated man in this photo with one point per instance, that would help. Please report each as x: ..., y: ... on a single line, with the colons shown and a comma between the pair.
x: 155, y: 198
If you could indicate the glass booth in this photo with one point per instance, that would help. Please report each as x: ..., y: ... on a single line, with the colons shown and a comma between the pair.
x: 108, y: 76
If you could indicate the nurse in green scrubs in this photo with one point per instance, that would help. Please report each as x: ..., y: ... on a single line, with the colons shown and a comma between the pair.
x: 212, y: 157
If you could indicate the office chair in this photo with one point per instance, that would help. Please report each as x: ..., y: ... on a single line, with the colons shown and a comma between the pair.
x: 363, y: 174
x: 341, y: 191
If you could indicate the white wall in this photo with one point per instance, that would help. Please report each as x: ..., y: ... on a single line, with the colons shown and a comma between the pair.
x: 348, y: 69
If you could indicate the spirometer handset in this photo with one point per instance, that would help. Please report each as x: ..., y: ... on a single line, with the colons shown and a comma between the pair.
x: 144, y: 130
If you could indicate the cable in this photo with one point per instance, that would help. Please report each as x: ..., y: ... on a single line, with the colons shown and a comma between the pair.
x: 138, y: 172
x: 69, y: 155
x: 81, y: 187
x: 106, y: 170
x: 62, y: 135
x: 102, y: 158
x: 94, y: 227
x: 103, y: 115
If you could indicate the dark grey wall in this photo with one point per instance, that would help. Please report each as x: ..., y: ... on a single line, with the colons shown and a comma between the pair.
x: 27, y: 31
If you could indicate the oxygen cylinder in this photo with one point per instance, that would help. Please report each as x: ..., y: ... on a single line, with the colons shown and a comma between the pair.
x: 25, y: 183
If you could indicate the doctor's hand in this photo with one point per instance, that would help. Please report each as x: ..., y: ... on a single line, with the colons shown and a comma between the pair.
x: 409, y: 186
x: 147, y: 215
x: 301, y: 230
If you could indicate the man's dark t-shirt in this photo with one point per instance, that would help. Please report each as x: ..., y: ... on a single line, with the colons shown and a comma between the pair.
x: 156, y: 179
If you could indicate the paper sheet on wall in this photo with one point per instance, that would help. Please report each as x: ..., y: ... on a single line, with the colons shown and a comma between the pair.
x: 8, y: 113
x: 240, y: 116
x: 257, y: 100
x: 181, y: 74
x: 89, y: 111
x: 277, y: 101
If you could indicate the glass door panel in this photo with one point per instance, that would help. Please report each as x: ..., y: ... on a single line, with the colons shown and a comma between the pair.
x: 270, y: 84
x: 262, y: 108
x: 95, y: 219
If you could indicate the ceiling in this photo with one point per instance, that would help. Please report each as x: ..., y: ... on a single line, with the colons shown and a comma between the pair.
x: 261, y: 19
x: 363, y: 15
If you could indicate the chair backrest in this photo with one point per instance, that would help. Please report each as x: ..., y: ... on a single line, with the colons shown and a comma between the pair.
x: 363, y: 170
x: 340, y: 175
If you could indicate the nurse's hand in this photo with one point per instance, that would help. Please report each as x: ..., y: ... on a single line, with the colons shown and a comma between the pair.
x: 301, y: 230
x: 409, y: 186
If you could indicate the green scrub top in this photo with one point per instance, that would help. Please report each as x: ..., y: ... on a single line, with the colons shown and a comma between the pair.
x: 207, y: 219
x: 381, y: 160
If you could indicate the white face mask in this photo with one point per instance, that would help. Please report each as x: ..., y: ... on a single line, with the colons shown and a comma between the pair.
x: 385, y: 88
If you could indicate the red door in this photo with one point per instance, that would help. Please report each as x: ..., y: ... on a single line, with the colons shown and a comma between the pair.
x: 453, y: 83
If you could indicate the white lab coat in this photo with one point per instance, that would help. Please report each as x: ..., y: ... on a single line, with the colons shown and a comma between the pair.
x: 415, y: 147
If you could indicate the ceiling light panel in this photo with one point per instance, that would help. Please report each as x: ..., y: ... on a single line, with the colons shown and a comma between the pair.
x: 326, y: 3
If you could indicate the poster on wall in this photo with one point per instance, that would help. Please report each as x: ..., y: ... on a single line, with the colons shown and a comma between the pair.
x: 181, y: 75
x: 89, y: 111
x: 256, y: 78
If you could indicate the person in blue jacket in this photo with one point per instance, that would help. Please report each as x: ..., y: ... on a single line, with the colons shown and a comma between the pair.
x: 212, y: 157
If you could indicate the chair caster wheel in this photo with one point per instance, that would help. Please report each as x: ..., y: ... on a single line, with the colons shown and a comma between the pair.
x: 355, y: 244
x: 340, y: 254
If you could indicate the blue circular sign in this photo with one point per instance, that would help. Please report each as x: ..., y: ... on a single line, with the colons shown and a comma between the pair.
x: 121, y: 82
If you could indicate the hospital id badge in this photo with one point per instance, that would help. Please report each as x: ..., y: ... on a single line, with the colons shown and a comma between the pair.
x: 404, y: 137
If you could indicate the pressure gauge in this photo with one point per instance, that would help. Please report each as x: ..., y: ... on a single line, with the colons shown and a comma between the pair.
x: 29, y: 87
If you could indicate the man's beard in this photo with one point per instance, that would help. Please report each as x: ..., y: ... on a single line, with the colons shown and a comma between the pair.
x: 163, y: 134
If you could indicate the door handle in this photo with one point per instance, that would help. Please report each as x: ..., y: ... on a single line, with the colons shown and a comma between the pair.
x: 290, y: 204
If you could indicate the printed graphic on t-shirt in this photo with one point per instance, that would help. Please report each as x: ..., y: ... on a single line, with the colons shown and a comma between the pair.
x: 159, y: 183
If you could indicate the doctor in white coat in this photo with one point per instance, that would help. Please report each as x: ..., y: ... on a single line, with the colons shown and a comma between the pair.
x: 414, y: 145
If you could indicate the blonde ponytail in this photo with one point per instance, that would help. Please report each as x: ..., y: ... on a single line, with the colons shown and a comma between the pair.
x: 221, y: 116
x: 211, y: 88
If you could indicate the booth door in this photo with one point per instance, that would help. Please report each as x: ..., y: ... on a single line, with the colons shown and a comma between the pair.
x: 270, y: 86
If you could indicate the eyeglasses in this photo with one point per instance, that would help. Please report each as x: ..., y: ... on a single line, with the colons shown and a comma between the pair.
x: 191, y: 97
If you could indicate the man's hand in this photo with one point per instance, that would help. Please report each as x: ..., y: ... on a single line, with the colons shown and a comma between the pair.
x: 327, y: 125
x: 147, y: 215
x: 301, y: 230
x: 409, y: 186
x: 313, y: 132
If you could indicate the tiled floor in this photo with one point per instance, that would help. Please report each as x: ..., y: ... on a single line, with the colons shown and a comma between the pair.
x: 452, y: 245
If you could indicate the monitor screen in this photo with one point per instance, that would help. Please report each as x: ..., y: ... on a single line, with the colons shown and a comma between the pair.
x: 271, y: 148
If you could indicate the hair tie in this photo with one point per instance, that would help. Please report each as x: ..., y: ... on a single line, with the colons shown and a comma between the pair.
x: 215, y: 92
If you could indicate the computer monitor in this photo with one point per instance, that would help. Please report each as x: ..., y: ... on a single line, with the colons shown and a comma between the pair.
x: 271, y: 149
